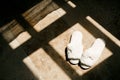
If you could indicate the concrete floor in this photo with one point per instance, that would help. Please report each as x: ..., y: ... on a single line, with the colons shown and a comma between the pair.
x: 34, y: 42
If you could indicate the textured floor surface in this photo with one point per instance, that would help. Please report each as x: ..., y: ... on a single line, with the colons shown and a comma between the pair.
x: 35, y: 41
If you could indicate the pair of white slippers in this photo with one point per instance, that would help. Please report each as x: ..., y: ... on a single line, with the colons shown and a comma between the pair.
x: 87, y: 58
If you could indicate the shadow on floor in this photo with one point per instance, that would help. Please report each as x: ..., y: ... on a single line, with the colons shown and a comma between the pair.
x: 54, y: 30
x: 9, y: 9
x: 12, y: 66
x: 88, y: 8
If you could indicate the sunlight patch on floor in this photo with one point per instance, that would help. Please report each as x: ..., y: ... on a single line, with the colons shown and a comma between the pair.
x: 49, y: 19
x: 21, y: 38
x: 41, y: 64
x: 103, y: 30
x: 27, y: 61
x: 71, y: 4
x: 59, y: 44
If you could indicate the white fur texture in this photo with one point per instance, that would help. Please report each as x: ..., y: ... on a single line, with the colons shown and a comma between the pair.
x: 75, y: 47
x: 92, y: 54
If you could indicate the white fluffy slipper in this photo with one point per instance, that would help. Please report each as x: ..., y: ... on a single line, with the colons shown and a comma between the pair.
x: 92, y: 54
x: 75, y: 48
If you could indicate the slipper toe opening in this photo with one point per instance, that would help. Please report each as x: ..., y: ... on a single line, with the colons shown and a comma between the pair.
x: 74, y: 61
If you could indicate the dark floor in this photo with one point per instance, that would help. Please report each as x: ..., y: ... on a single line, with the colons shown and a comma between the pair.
x: 28, y: 13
